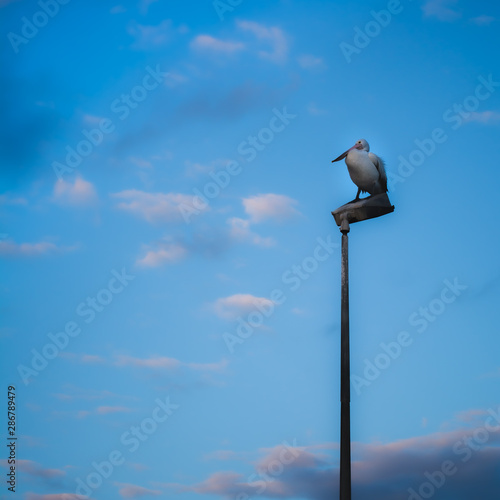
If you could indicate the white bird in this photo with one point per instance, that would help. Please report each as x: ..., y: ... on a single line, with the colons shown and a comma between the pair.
x: 367, y: 170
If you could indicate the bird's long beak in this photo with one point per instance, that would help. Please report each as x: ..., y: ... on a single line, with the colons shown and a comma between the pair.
x: 343, y: 155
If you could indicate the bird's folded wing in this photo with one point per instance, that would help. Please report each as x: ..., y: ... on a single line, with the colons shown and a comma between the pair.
x: 379, y: 163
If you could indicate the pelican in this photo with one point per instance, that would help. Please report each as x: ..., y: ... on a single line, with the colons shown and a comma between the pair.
x: 366, y: 169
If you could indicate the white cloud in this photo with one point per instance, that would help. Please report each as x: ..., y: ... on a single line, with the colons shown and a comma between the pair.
x: 240, y: 231
x: 240, y: 304
x: 483, y: 20
x: 273, y: 35
x: 154, y: 362
x: 260, y: 208
x: 154, y: 207
x: 169, y: 253
x: 270, y: 206
x: 78, y: 193
x: 166, y: 363
x: 485, y: 117
x: 211, y: 44
x: 441, y: 9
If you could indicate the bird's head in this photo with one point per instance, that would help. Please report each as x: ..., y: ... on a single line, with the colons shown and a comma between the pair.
x: 361, y: 144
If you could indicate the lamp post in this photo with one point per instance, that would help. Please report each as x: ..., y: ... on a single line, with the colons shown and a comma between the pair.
x: 367, y: 208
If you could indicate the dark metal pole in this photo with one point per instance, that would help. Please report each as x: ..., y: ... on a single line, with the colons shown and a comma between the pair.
x: 354, y: 211
x: 345, y: 390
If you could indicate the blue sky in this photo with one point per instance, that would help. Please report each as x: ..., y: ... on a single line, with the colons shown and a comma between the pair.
x: 171, y: 270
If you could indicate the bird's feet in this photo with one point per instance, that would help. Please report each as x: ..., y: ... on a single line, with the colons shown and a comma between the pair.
x: 359, y: 199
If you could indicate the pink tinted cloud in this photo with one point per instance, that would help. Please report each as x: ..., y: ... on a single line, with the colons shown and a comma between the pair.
x: 134, y: 491
x: 270, y: 206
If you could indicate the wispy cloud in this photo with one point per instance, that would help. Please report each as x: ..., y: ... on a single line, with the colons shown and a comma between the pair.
x: 483, y: 20
x: 32, y: 468
x: 261, y: 208
x: 140, y: 162
x: 270, y: 206
x: 308, y: 61
x: 8, y: 199
x: 149, y: 37
x: 74, y: 393
x: 144, y: 6
x: 118, y: 9
x: 133, y: 491
x: 239, y: 304
x: 154, y: 362
x: 444, y: 10
x: 3, y: 3
x: 105, y: 410
x: 240, y: 231
x: 165, y: 253
x: 153, y: 207
x: 219, y: 367
x: 56, y: 496
x: 207, y: 43
x: 314, y: 110
x: 9, y: 248
x: 101, y: 410
x: 166, y: 363
x: 196, y: 169
x: 77, y: 193
x: 486, y: 117
x: 274, y: 37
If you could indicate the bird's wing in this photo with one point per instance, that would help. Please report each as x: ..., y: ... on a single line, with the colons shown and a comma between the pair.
x: 379, y: 163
